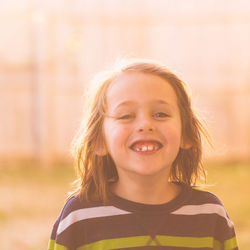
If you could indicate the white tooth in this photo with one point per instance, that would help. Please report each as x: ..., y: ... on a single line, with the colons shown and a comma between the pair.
x: 147, y: 148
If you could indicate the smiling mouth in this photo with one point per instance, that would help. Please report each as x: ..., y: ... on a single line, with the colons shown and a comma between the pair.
x: 146, y: 146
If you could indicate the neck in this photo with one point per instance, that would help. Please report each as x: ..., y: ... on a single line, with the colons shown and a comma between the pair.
x: 146, y: 189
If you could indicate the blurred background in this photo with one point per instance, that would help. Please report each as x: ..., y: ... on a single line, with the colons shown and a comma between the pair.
x: 50, y: 50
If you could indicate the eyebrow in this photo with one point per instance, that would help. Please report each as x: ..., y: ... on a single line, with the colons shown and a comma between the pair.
x: 127, y: 103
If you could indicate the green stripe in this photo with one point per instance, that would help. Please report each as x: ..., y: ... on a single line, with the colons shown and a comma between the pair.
x: 117, y: 243
x: 217, y: 245
x: 194, y: 242
x: 139, y: 241
x: 54, y: 246
x: 230, y: 244
x: 51, y: 245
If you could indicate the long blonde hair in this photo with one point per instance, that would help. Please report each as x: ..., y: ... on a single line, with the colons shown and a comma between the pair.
x: 95, y: 172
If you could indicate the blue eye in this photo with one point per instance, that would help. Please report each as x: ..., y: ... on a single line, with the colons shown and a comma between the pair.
x: 161, y: 115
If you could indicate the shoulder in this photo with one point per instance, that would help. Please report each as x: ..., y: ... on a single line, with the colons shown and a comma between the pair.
x: 73, y: 211
x: 204, y: 203
x: 71, y: 205
x: 201, y: 203
x: 199, y: 196
x: 74, y: 203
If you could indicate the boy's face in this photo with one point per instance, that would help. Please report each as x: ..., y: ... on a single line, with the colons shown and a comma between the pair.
x: 143, y: 128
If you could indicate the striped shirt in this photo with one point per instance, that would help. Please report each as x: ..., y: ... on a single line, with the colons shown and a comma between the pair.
x: 193, y: 220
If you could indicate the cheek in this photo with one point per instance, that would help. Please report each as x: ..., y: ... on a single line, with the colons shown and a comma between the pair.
x: 173, y: 133
x: 115, y: 135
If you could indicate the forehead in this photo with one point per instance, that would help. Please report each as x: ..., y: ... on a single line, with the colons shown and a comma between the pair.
x: 140, y: 88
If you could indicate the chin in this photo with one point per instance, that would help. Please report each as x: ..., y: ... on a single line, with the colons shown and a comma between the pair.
x: 148, y: 172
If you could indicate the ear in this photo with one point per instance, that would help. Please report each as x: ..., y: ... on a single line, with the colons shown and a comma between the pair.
x: 101, y: 151
x: 101, y: 148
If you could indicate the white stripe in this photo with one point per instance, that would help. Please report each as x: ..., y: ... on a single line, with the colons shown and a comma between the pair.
x: 204, y: 209
x: 88, y: 213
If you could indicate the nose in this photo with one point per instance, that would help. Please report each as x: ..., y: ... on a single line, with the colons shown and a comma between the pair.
x: 142, y: 129
x: 145, y: 124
